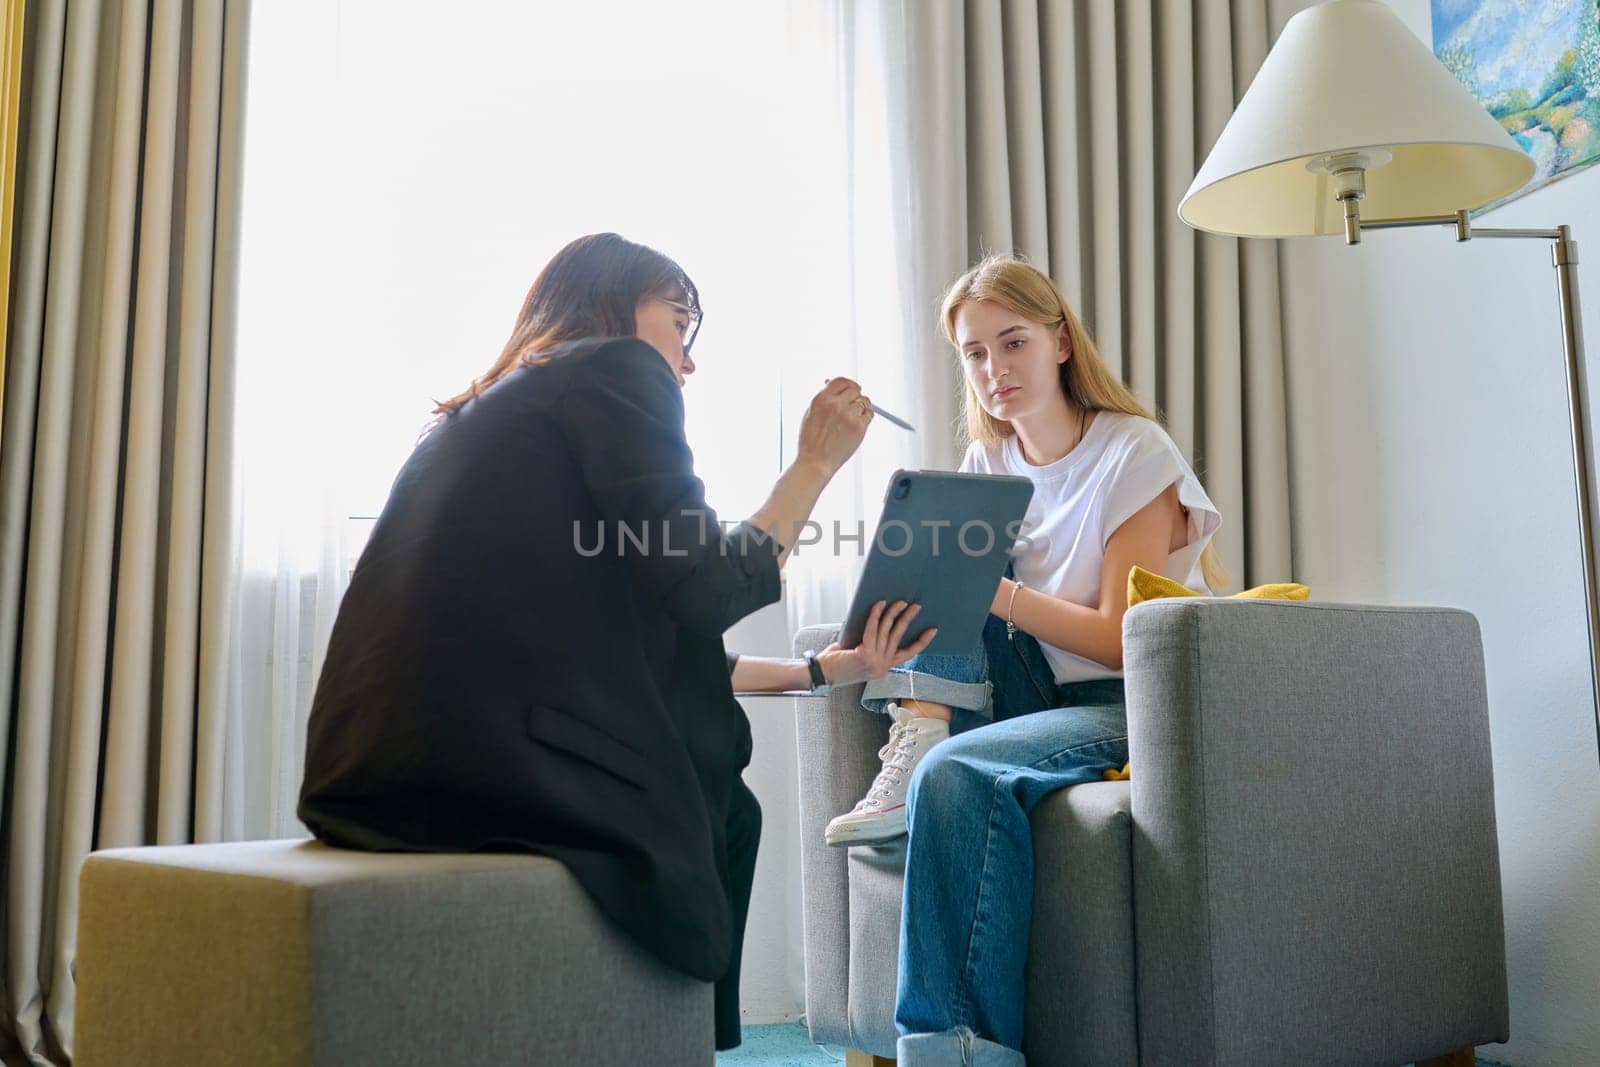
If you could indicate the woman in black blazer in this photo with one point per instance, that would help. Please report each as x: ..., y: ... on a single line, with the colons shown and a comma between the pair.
x: 529, y: 655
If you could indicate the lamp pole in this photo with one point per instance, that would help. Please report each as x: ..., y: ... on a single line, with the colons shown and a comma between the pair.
x: 1564, y: 257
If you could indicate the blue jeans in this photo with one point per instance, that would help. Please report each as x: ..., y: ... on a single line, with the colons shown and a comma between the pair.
x: 968, y: 904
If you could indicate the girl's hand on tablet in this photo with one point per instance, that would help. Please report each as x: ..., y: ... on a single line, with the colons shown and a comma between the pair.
x: 879, y: 649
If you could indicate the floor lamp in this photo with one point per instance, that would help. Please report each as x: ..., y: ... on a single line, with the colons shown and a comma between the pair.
x: 1351, y: 125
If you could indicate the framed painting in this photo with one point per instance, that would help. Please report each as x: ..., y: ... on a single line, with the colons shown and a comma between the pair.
x: 1535, y: 65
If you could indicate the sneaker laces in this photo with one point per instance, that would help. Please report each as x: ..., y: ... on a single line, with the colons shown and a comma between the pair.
x: 896, y: 755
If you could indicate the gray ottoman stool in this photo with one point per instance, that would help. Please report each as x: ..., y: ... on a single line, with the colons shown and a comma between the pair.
x: 290, y: 952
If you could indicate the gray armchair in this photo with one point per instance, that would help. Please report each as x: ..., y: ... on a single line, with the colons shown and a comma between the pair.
x: 1303, y: 868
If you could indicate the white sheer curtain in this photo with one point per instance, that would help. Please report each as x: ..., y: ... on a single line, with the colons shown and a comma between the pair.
x: 406, y: 177
x: 298, y: 401
x: 884, y: 215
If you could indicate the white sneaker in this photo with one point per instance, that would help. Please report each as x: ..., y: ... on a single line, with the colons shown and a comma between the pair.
x: 881, y: 814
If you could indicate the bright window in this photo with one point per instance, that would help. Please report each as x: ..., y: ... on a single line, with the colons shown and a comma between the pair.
x: 409, y: 169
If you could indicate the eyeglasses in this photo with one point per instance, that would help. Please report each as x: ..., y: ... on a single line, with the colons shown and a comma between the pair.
x: 693, y: 314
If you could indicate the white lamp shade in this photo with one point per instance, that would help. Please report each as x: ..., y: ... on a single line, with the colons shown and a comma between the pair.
x: 1347, y: 76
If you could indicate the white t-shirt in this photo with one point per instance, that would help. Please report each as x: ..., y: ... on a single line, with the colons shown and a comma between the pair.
x: 1079, y: 501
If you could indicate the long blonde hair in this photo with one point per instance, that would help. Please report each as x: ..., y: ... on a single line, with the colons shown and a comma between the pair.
x: 1025, y: 290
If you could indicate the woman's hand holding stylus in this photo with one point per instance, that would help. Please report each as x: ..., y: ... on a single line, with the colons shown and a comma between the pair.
x: 834, y: 425
x: 830, y: 433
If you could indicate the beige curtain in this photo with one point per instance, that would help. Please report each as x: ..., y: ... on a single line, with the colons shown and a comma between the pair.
x: 114, y: 465
x: 1068, y: 130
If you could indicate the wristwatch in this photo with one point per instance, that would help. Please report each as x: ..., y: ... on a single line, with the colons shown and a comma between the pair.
x: 819, y: 681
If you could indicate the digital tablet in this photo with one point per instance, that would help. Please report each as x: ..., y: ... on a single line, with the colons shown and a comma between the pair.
x: 942, y: 542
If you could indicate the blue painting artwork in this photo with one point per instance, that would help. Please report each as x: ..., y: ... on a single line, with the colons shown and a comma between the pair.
x: 1535, y: 65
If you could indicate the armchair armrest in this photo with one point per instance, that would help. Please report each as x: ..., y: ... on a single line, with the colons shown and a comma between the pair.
x: 838, y: 757
x: 1316, y: 872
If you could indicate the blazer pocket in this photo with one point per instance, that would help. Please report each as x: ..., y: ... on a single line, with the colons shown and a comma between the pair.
x: 571, y: 735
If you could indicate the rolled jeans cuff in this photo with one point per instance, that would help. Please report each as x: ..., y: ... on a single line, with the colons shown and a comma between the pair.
x: 901, y: 685
x: 955, y: 1048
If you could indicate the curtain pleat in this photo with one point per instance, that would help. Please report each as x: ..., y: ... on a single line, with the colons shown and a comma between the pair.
x: 220, y: 570
x: 1106, y: 309
x: 1141, y: 306
x: 124, y: 818
x: 115, y: 455
x: 1025, y: 129
x: 988, y: 133
x: 932, y: 236
x: 45, y: 678
x: 1176, y: 319
x: 1220, y: 411
x: 193, y: 348
x: 91, y: 637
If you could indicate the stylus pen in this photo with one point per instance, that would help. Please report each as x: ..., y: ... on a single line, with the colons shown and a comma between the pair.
x: 876, y: 410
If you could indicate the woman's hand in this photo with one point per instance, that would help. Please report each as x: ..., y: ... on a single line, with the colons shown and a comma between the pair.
x: 830, y: 433
x: 879, y: 649
x: 834, y: 425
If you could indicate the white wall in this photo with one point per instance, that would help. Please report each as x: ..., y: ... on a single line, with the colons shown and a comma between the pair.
x: 1431, y: 465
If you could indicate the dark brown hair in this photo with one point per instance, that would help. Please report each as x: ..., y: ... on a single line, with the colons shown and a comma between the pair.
x: 588, y: 289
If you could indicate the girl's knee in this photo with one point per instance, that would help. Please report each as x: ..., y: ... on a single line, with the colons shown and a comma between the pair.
x: 945, y: 772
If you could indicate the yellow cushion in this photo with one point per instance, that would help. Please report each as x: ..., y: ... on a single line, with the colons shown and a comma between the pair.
x: 1142, y: 586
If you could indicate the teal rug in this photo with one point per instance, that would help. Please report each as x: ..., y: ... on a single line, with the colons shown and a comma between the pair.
x: 788, y: 1045
x: 780, y: 1045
